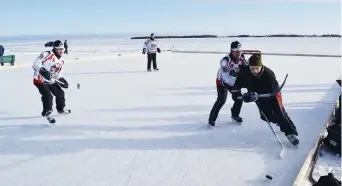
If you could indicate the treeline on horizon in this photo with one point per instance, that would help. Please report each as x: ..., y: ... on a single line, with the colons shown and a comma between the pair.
x: 215, y: 36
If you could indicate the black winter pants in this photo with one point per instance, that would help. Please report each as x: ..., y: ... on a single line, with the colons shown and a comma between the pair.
x: 47, y: 91
x: 275, y: 113
x: 66, y: 50
x: 151, y: 57
x: 221, y: 100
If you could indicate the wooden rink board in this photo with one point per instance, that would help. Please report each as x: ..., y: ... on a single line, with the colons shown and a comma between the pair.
x: 304, y: 175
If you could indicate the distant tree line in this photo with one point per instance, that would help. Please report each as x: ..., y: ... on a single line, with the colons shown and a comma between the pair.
x: 215, y: 36
x: 188, y: 36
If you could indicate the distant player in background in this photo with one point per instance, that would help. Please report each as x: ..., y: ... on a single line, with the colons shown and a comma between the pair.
x: 258, y: 79
x: 48, y: 78
x: 2, y: 51
x: 151, y: 48
x: 66, y: 47
x: 225, y: 80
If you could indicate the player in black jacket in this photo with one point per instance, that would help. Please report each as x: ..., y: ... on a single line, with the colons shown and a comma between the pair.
x: 258, y: 79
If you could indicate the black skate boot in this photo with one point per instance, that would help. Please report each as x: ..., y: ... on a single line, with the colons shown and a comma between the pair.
x: 211, y: 123
x: 49, y: 117
x: 156, y: 69
x: 64, y: 111
x: 237, y: 119
x: 293, y: 139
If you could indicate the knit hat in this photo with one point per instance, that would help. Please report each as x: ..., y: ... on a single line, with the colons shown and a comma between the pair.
x: 255, y: 60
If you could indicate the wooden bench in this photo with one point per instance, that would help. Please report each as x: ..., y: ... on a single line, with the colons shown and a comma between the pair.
x: 7, y: 59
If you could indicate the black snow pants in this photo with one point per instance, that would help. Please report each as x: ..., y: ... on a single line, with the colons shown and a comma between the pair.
x: 151, y: 57
x: 47, y: 91
x: 275, y: 113
x: 222, y: 93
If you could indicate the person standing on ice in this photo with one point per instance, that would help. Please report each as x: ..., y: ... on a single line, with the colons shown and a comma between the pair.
x: 48, y: 78
x: 151, y: 48
x: 226, y: 75
x: 2, y: 51
x: 258, y: 79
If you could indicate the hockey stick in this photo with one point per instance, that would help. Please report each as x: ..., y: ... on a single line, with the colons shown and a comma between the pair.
x: 270, y: 94
x: 281, y: 144
x: 169, y: 50
x: 59, y: 82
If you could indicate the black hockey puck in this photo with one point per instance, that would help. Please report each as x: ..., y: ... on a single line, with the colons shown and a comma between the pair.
x: 269, y: 177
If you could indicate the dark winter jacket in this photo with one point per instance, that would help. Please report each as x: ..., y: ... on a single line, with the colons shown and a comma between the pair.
x: 265, y: 83
x: 2, y: 50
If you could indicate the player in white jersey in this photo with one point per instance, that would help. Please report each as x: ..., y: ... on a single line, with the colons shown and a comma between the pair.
x: 225, y: 80
x: 151, y: 48
x: 48, y: 78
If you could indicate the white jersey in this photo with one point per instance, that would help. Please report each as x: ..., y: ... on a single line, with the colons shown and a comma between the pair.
x: 228, y: 70
x: 151, y: 46
x: 51, y: 63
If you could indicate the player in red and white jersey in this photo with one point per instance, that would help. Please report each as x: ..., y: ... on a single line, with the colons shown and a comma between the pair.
x: 48, y: 78
x: 225, y: 80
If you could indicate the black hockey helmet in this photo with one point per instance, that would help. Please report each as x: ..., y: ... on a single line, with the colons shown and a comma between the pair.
x: 152, y: 36
x: 58, y: 44
x: 235, y: 45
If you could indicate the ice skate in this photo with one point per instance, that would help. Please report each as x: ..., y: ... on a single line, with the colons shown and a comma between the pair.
x: 64, y: 111
x: 211, y: 124
x: 237, y: 119
x: 293, y: 139
x: 49, y: 117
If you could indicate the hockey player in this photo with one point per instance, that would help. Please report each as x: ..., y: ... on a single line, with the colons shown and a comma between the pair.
x: 151, y: 48
x: 48, y: 78
x: 258, y: 79
x: 226, y: 75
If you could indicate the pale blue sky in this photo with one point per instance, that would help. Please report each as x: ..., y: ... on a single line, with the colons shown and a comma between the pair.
x: 222, y: 17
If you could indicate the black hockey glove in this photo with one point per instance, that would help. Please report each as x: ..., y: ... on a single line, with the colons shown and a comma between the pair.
x: 64, y: 83
x: 144, y: 51
x: 46, y: 74
x: 158, y: 50
x: 233, y: 73
x: 250, y: 97
x: 224, y: 69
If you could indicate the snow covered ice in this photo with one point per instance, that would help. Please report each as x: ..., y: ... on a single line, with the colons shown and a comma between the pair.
x: 132, y: 127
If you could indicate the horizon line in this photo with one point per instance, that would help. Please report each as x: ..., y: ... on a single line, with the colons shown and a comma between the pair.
x: 170, y: 34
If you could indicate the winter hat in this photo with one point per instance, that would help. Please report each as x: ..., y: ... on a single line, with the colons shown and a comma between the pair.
x: 255, y: 60
x: 235, y: 45
x: 58, y: 44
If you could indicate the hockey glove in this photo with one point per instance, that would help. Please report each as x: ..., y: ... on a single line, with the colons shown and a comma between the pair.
x: 224, y: 69
x: 144, y: 51
x: 249, y: 97
x: 64, y: 83
x: 158, y: 50
x: 46, y: 74
x: 233, y: 73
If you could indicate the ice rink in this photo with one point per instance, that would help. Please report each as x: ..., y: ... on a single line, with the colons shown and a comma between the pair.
x: 137, y: 128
